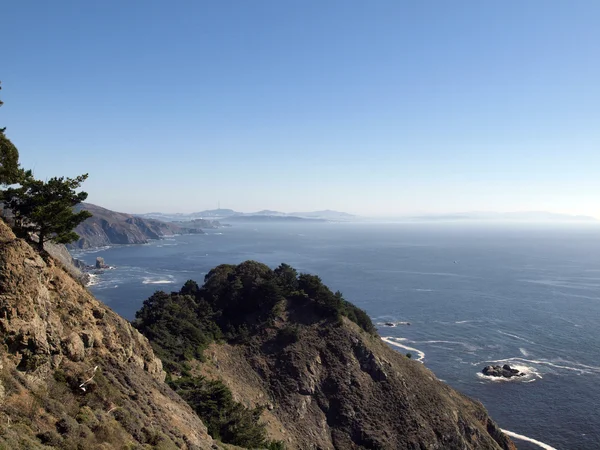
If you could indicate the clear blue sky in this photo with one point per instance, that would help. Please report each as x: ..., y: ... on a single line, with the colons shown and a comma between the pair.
x: 372, y: 107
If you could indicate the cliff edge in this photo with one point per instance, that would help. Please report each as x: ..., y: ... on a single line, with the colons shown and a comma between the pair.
x: 73, y: 374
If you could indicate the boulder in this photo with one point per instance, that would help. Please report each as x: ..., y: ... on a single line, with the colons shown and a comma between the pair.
x: 100, y: 263
x: 74, y: 347
x: 501, y: 371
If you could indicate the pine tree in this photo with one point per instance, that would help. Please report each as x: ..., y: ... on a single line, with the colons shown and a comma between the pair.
x: 46, y: 208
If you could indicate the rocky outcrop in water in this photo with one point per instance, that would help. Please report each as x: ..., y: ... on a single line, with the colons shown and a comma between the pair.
x: 100, y: 264
x: 501, y: 371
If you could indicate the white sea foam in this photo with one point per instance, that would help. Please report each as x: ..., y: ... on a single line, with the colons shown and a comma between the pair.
x: 391, y: 324
x: 530, y: 374
x: 516, y: 337
x: 528, y: 439
x: 556, y: 364
x: 523, y: 351
x: 93, y: 280
x: 148, y: 281
x: 464, y: 321
x: 394, y: 341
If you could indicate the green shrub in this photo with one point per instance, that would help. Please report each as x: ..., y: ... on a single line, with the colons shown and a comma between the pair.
x: 288, y: 335
x: 225, y: 418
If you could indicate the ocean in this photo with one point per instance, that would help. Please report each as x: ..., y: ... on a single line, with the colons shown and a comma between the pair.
x: 474, y: 295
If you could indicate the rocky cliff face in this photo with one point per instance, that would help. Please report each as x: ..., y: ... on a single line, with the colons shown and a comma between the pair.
x: 341, y: 388
x: 75, y: 267
x: 73, y: 374
x: 108, y: 227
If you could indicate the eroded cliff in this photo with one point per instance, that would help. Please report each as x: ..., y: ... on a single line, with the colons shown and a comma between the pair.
x: 73, y: 374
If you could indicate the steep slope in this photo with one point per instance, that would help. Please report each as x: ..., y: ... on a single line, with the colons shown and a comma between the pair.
x: 313, y: 360
x: 73, y: 374
x: 108, y: 227
x: 338, y: 388
x: 75, y: 267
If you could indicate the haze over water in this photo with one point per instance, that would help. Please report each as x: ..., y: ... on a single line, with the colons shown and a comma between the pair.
x: 473, y: 294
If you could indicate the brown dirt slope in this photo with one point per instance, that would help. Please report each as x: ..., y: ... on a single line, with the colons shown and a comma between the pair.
x: 338, y: 387
x: 75, y: 375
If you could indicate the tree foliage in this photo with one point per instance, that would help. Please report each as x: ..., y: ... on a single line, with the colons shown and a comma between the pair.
x: 235, y: 303
x: 46, y: 208
x: 225, y: 419
x: 178, y: 326
x: 10, y: 171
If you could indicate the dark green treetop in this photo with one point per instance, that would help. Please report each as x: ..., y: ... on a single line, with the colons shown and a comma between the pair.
x: 46, y: 208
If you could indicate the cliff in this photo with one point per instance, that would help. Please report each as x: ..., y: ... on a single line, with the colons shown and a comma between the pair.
x: 73, y: 374
x: 336, y: 388
x: 313, y: 361
x: 108, y: 227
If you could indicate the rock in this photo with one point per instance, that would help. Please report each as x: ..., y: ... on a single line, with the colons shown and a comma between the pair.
x: 390, y: 324
x: 100, y: 263
x: 74, y: 348
x: 501, y: 371
x: 88, y: 338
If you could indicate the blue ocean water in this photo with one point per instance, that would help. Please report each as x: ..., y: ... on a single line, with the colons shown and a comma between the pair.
x: 473, y: 294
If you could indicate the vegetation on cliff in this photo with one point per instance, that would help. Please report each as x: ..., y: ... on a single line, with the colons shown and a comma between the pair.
x: 235, y: 302
x: 272, y: 355
x: 43, y: 208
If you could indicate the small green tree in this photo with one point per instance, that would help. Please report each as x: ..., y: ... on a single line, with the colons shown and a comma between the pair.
x: 10, y: 171
x: 46, y: 208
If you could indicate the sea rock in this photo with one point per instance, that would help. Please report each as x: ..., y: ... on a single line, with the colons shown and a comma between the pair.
x: 501, y: 371
x: 100, y: 264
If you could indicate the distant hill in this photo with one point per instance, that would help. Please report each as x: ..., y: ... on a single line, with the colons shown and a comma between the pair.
x: 326, y: 214
x: 272, y: 219
x: 228, y: 213
x: 108, y: 227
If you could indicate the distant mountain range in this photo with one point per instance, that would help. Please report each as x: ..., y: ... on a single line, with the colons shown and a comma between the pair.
x: 267, y: 215
x: 230, y: 214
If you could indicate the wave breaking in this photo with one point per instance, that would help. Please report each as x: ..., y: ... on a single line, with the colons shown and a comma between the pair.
x: 394, y: 341
x: 528, y: 439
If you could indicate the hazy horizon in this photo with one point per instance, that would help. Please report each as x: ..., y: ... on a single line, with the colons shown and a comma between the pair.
x: 385, y: 108
x: 409, y: 215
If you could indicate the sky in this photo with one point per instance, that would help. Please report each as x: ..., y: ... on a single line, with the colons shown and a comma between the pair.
x: 373, y: 108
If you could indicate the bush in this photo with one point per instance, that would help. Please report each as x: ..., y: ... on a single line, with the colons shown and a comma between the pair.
x: 288, y: 335
x: 225, y: 418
